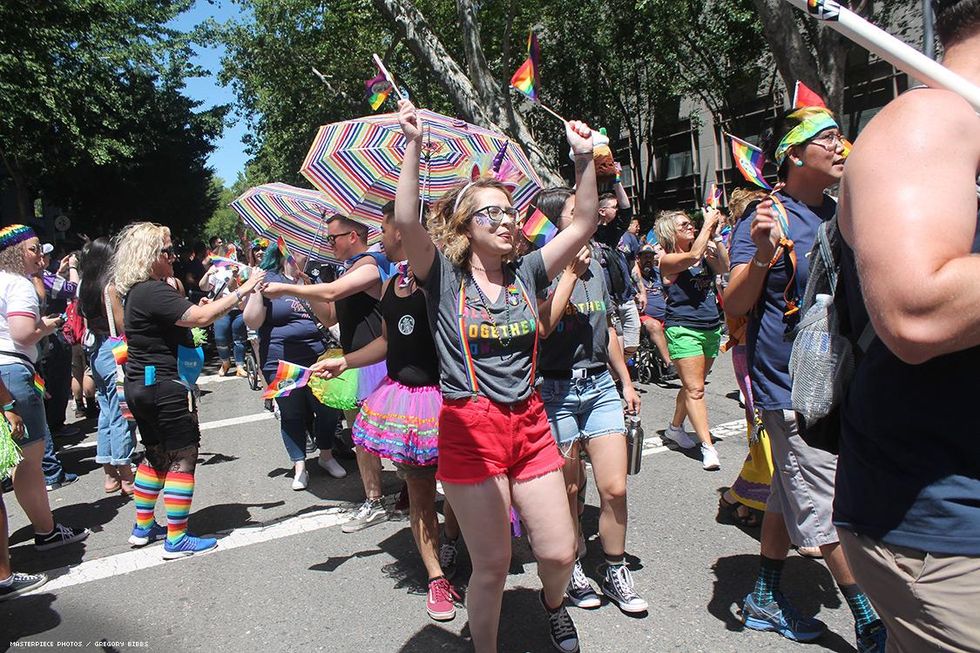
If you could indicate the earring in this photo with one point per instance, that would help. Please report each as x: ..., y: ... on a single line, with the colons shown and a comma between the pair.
x: 799, y: 164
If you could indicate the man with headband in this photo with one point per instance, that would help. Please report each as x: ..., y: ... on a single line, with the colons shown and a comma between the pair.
x: 908, y: 482
x: 769, y: 272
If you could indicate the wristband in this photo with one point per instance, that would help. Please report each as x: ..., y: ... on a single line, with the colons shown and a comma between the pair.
x: 238, y: 295
x: 757, y: 264
x: 9, y: 407
x: 718, y: 239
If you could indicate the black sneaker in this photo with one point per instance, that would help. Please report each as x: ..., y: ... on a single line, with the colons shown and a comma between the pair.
x: 618, y: 586
x: 22, y: 584
x: 66, y: 479
x: 60, y: 536
x: 563, y: 635
x: 580, y: 592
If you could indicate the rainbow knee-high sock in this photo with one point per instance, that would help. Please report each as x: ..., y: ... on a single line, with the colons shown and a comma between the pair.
x: 148, y: 484
x: 177, y: 494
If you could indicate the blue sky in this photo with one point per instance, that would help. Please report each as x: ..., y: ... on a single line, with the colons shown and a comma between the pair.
x: 229, y: 157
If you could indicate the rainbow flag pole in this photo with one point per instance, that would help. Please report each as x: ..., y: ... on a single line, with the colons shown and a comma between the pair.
x: 289, y: 377
x: 899, y: 54
x: 391, y: 80
x: 538, y: 229
x: 749, y: 160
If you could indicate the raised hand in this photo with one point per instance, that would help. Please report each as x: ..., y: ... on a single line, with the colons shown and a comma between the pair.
x: 408, y: 118
x: 579, y: 137
x: 580, y: 263
x: 255, y: 277
x: 765, y: 231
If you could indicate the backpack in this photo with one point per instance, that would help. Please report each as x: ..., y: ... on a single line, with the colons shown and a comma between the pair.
x: 73, y: 330
x: 825, y: 350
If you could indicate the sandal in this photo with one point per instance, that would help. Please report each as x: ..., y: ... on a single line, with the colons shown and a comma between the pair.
x: 748, y: 520
x: 113, y: 487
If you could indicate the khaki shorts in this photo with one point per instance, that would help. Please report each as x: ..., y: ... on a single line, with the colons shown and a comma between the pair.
x: 802, y: 489
x: 927, y: 602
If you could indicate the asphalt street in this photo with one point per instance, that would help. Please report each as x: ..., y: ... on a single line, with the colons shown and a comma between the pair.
x: 285, y: 578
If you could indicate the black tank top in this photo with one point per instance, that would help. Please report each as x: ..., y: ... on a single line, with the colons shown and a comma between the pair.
x: 412, y: 358
x: 359, y: 317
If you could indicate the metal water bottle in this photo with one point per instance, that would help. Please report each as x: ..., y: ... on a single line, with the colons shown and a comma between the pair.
x: 634, y: 444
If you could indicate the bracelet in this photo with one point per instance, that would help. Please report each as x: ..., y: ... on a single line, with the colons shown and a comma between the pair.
x: 574, y: 153
x: 757, y: 264
x: 718, y: 239
x: 238, y: 295
x: 8, y: 407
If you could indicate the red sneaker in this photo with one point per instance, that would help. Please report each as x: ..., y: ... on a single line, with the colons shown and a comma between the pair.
x: 439, y: 602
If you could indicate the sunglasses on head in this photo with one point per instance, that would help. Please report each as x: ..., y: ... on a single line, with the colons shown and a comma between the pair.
x: 492, y: 216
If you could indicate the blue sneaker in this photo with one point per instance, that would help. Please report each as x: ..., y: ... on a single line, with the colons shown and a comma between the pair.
x: 871, y: 638
x: 144, y: 536
x: 781, y: 617
x: 188, y: 546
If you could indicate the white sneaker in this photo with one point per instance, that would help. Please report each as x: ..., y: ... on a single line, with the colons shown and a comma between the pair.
x: 679, y: 436
x: 301, y: 480
x: 709, y: 458
x: 332, y: 467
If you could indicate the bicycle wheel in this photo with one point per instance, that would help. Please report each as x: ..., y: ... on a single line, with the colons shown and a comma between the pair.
x: 252, y: 370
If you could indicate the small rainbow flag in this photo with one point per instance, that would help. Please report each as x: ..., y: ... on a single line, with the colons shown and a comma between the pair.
x: 289, y: 377
x: 39, y: 385
x: 538, y: 229
x: 378, y: 89
x: 713, y: 199
x: 284, y: 250
x: 804, y: 97
x: 848, y: 146
x: 527, y: 79
x: 222, y: 262
x: 120, y: 349
x: 749, y: 160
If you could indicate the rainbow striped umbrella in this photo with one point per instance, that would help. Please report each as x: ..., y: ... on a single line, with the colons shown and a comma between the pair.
x: 356, y: 162
x: 299, y: 215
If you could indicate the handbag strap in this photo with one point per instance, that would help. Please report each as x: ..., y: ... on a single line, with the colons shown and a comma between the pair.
x: 328, y: 340
x: 108, y: 312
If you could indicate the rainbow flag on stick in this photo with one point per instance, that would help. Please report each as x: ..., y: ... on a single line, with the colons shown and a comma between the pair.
x: 527, y: 79
x: 713, y: 199
x: 222, y: 262
x: 39, y: 385
x: 289, y: 377
x: 120, y: 349
x: 749, y: 160
x: 284, y: 250
x: 804, y: 97
x: 538, y: 229
x: 378, y: 89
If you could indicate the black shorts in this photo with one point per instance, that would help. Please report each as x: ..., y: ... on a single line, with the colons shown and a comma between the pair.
x: 162, y: 415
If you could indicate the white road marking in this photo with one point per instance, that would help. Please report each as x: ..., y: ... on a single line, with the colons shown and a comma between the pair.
x: 206, y: 426
x: 152, y: 556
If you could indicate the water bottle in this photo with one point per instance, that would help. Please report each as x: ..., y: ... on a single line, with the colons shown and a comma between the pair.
x: 634, y: 444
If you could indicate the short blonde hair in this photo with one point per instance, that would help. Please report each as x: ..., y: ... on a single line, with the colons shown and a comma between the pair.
x: 138, y: 247
x: 740, y: 200
x: 666, y: 229
x: 447, y: 223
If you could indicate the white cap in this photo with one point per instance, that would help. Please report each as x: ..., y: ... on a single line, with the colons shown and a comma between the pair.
x: 47, y: 248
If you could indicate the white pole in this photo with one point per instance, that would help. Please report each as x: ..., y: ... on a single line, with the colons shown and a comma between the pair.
x: 902, y: 56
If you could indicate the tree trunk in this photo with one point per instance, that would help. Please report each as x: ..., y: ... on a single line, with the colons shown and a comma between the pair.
x: 22, y: 190
x: 484, y: 102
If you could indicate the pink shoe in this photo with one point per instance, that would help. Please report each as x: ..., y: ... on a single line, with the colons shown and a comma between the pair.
x: 439, y: 602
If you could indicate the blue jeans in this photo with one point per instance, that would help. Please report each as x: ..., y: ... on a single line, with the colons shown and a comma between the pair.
x: 30, y: 406
x: 117, y: 436
x: 301, y: 410
x: 230, y: 330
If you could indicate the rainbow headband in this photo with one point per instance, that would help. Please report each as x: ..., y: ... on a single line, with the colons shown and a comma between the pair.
x: 814, y: 121
x: 15, y: 233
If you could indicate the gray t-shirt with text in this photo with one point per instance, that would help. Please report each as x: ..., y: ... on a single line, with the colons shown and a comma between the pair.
x: 581, y: 338
x: 500, y: 333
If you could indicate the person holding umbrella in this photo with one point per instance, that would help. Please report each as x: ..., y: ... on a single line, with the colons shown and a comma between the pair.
x: 495, y: 445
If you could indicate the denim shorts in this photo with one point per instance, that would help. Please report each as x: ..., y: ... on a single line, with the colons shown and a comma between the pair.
x: 20, y: 383
x: 579, y: 409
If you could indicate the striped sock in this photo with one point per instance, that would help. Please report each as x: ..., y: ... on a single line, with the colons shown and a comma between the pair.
x: 770, y: 572
x: 864, y: 612
x: 148, y: 484
x: 177, y: 494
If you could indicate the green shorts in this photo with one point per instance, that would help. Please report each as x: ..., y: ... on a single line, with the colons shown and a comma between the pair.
x: 684, y: 342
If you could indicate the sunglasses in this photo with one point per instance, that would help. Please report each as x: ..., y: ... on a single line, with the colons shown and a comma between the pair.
x: 168, y: 251
x: 492, y: 216
x: 332, y: 238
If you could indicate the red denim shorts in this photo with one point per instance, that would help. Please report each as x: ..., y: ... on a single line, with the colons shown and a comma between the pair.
x: 482, y: 439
